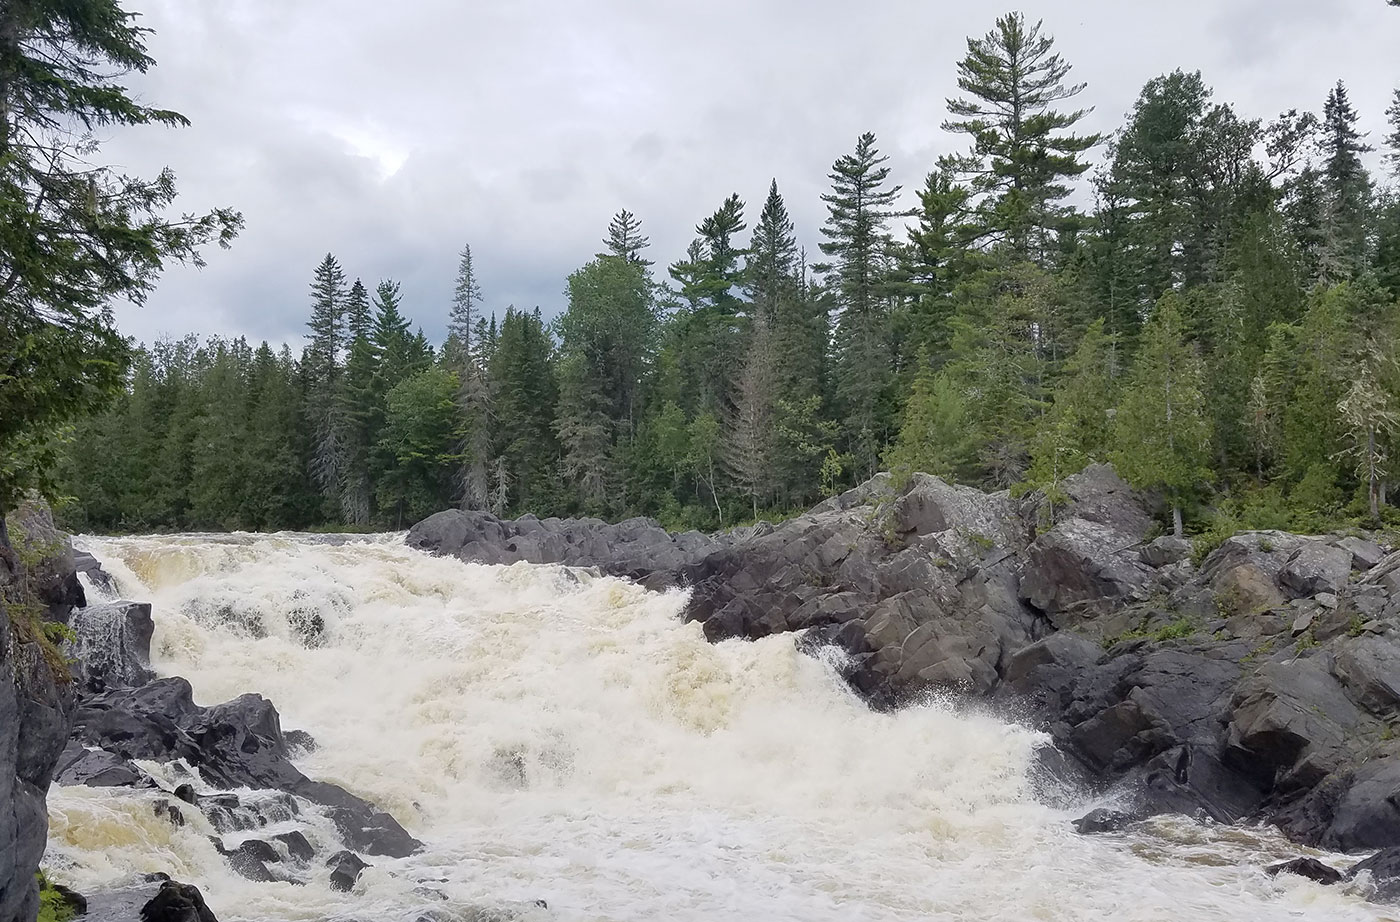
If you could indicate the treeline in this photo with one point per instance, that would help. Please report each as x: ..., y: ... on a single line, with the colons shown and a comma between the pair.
x: 1222, y: 324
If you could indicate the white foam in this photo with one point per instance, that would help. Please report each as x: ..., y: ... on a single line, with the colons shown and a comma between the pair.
x: 556, y: 735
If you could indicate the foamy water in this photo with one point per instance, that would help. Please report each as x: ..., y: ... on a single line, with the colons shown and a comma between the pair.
x: 553, y: 735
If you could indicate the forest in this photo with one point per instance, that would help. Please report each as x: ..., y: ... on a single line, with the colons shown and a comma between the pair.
x: 1207, y: 298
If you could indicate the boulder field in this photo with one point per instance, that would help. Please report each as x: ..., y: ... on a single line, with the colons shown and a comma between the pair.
x: 1259, y: 683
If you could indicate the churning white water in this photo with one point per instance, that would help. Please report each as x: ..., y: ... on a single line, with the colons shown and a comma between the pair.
x: 553, y: 735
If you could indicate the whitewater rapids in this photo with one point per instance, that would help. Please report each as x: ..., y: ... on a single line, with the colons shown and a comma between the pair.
x: 554, y: 735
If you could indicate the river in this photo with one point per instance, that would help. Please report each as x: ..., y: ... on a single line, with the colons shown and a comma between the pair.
x: 554, y: 735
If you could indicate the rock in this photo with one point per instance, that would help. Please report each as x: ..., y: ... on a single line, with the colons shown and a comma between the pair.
x: 1369, y: 667
x: 1290, y: 726
x: 1365, y: 815
x: 1310, y: 868
x: 346, y: 867
x: 89, y: 566
x: 1364, y: 554
x: 299, y: 741
x: 1082, y: 565
x: 169, y: 812
x: 637, y: 548
x: 96, y: 768
x: 1096, y: 494
x: 177, y: 902
x: 1384, y: 870
x: 1165, y: 551
x: 77, y: 903
x: 233, y: 745
x: 1102, y: 820
x: 1316, y: 568
x: 52, y: 578
x: 298, y: 848
x: 112, y: 648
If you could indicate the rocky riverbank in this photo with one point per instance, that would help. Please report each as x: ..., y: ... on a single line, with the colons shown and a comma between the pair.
x: 81, y: 706
x: 1258, y: 683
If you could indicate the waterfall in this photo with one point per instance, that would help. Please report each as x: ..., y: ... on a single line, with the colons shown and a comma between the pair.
x: 555, y: 735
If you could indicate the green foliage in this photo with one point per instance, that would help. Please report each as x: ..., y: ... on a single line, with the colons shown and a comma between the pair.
x: 75, y: 235
x: 53, y: 907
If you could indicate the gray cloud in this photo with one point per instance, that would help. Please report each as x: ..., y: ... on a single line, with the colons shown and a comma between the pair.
x: 390, y: 134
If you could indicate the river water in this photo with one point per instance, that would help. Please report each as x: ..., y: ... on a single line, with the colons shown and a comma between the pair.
x: 553, y: 735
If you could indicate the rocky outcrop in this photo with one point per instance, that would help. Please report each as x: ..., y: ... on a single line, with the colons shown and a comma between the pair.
x: 111, y: 645
x: 36, y: 698
x: 1261, y: 683
x: 636, y: 548
x: 238, y: 744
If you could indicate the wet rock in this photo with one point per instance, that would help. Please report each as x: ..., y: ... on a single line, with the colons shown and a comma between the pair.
x: 112, y: 647
x: 96, y: 768
x: 299, y: 742
x: 233, y: 745
x: 169, y: 812
x: 1103, y: 820
x: 1366, y: 814
x: 346, y: 867
x: 177, y: 902
x: 1384, y: 870
x: 1310, y: 868
x: 298, y: 848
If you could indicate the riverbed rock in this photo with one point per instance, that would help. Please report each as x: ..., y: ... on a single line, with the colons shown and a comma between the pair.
x: 111, y: 646
x: 177, y: 902
x: 346, y: 867
x: 1383, y: 868
x: 1310, y: 868
x: 233, y: 745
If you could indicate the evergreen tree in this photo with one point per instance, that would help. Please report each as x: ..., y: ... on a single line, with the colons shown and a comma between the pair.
x: 473, y: 390
x: 1022, y: 151
x: 1347, y: 187
x: 324, y: 403
x: 859, y: 206
x: 625, y: 239
x: 1077, y: 431
x: 358, y: 320
x: 1392, y: 138
x: 1369, y: 416
x: 75, y: 235
x: 712, y: 329
x: 1162, y: 431
x: 525, y: 397
x: 772, y: 260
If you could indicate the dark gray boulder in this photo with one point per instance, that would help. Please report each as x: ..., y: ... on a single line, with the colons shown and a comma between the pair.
x: 177, y: 902
x: 112, y: 645
x: 1310, y: 868
x: 1383, y: 869
x: 1314, y: 568
x: 233, y: 745
x: 346, y: 867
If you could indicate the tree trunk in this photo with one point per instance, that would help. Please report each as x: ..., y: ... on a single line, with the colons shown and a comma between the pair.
x: 1178, y: 529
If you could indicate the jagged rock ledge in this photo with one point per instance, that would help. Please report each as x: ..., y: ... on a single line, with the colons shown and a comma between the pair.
x: 1261, y: 684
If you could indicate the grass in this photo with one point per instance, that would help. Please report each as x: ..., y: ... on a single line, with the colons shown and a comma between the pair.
x: 1179, y: 629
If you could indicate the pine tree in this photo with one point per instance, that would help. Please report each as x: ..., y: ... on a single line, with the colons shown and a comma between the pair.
x: 469, y: 361
x: 1162, y: 431
x: 712, y: 329
x: 625, y: 239
x: 1022, y: 152
x: 1392, y: 138
x: 525, y: 398
x: 859, y: 206
x: 358, y: 320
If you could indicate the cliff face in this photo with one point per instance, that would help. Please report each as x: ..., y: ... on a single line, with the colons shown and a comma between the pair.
x: 36, y: 698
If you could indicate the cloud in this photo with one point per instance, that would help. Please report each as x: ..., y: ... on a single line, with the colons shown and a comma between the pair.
x: 391, y: 135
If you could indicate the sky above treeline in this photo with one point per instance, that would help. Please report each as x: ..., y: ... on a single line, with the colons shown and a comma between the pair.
x: 391, y: 134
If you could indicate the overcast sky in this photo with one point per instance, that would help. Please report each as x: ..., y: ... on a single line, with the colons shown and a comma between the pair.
x: 391, y: 134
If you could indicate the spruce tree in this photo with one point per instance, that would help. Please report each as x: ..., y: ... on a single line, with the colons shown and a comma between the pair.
x: 1162, y: 431
x: 1077, y: 430
x: 1023, y: 153
x: 1369, y: 416
x: 859, y: 207
x: 324, y: 402
x: 1392, y: 138
x: 1348, y: 189
x: 712, y: 329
